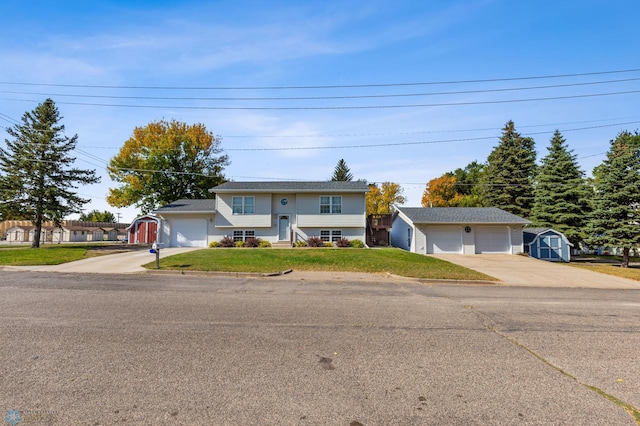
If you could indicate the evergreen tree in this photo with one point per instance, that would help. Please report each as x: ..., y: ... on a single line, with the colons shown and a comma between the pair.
x: 561, y: 196
x: 615, y: 220
x: 342, y: 172
x: 509, y: 173
x: 38, y: 178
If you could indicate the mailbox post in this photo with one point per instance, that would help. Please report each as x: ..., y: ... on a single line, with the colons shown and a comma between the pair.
x: 155, y: 249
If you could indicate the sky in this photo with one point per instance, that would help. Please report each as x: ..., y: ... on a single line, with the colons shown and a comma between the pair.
x: 403, y: 91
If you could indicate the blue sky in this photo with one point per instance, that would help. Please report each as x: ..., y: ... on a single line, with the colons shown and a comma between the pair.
x: 371, y: 52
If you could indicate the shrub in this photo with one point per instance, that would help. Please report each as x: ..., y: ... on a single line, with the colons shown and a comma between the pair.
x: 227, y: 242
x: 342, y: 242
x: 315, y: 242
x: 213, y: 244
x: 239, y: 244
x: 327, y: 244
x: 301, y: 243
x: 356, y: 244
x: 264, y: 243
x: 252, y: 242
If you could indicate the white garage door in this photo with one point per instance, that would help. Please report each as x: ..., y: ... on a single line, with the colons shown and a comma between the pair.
x: 492, y: 239
x: 189, y: 233
x: 444, y: 240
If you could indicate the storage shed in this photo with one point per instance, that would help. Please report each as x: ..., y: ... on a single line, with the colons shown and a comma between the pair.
x: 547, y: 244
x: 143, y: 230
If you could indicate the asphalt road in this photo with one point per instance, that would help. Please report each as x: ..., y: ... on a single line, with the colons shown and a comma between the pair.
x: 146, y: 349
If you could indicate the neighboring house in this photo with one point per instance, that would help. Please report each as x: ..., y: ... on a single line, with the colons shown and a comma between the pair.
x: 66, y: 231
x: 279, y: 212
x: 547, y: 244
x: 19, y: 234
x: 143, y: 230
x: 457, y: 230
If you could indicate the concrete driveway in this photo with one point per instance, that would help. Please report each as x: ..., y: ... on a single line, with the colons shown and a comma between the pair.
x: 527, y: 271
x: 121, y: 263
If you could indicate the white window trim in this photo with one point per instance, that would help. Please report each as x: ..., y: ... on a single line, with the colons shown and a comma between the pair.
x: 244, y: 204
x: 331, y: 204
x: 334, y: 235
x: 243, y: 234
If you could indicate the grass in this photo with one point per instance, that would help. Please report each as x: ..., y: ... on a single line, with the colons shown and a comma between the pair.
x: 632, y: 272
x: 388, y: 260
x: 51, y: 254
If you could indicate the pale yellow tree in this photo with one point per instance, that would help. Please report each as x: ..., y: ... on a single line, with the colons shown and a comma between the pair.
x: 383, y: 199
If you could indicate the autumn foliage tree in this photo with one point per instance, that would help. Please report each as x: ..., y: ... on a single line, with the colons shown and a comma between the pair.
x: 165, y: 161
x: 384, y: 199
x: 441, y: 192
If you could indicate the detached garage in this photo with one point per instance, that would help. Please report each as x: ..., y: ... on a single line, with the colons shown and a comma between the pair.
x: 457, y: 230
x: 186, y: 223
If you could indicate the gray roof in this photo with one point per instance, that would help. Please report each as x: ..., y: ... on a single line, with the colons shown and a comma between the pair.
x: 292, y: 186
x: 530, y: 234
x: 188, y: 206
x: 461, y: 215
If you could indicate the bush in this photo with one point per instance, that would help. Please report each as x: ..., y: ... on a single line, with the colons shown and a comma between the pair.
x: 315, y: 242
x: 356, y: 244
x: 301, y: 243
x: 213, y: 244
x: 327, y: 244
x: 239, y: 244
x: 227, y: 242
x: 343, y: 242
x: 252, y: 242
x: 264, y: 243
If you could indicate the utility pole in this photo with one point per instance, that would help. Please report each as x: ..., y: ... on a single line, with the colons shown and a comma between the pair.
x: 118, y: 217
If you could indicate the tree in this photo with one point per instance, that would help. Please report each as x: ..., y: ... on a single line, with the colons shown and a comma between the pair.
x: 469, y: 184
x: 509, y: 173
x: 342, y: 172
x: 98, y: 216
x: 165, y: 161
x: 38, y: 178
x: 441, y: 192
x: 382, y: 200
x: 615, y: 220
x: 561, y: 196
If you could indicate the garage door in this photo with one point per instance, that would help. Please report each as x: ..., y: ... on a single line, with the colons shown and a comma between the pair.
x: 444, y: 240
x: 189, y: 233
x: 492, y: 239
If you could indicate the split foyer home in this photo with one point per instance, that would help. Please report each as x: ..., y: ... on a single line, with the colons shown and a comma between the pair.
x: 279, y: 212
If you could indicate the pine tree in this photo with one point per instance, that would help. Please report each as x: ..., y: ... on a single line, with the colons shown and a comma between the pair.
x: 37, y: 174
x: 509, y: 173
x: 342, y: 172
x: 615, y: 220
x: 561, y: 196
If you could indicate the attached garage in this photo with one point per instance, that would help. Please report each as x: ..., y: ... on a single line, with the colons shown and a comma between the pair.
x: 189, y: 233
x: 443, y: 239
x: 492, y: 239
x: 457, y: 230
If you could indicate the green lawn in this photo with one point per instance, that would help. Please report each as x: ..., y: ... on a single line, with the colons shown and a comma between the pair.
x: 394, y: 261
x: 632, y: 272
x: 45, y: 255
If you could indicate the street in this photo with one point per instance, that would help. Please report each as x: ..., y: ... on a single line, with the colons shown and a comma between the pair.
x: 171, y: 349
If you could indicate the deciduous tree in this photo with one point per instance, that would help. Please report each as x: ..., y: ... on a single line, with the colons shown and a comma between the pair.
x: 384, y: 199
x: 165, y: 161
x: 615, y: 220
x: 509, y: 173
x: 441, y: 192
x: 38, y: 179
x: 561, y: 196
x: 98, y: 216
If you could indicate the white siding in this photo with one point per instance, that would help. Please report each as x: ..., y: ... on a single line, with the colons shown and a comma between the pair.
x: 353, y: 211
x: 226, y: 218
x: 401, y: 233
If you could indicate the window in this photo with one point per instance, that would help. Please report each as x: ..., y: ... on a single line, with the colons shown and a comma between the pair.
x: 243, y: 235
x: 243, y: 205
x: 332, y: 235
x: 331, y: 204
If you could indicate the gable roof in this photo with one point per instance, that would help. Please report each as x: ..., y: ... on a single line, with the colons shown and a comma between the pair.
x: 292, y: 186
x: 461, y: 215
x: 529, y: 235
x: 188, y: 206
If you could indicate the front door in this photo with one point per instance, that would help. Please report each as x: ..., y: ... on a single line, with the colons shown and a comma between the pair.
x: 283, y: 228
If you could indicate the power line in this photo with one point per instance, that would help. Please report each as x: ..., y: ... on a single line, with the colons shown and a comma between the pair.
x: 346, y: 86
x: 298, y: 98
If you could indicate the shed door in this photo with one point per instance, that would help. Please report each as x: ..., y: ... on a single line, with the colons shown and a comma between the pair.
x: 189, y: 233
x: 444, y: 240
x: 492, y: 239
x: 550, y: 247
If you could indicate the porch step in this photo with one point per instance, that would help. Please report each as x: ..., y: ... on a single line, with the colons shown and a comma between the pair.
x: 281, y: 244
